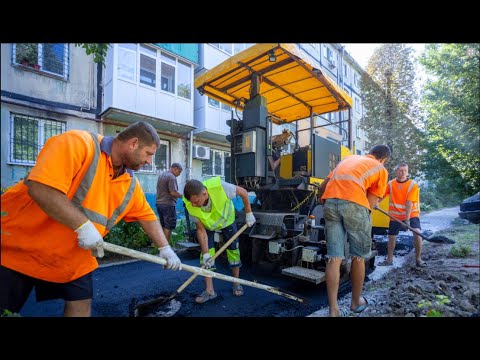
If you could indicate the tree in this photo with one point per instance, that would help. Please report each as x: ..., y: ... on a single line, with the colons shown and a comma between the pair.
x: 390, y: 103
x: 450, y: 99
x: 99, y: 51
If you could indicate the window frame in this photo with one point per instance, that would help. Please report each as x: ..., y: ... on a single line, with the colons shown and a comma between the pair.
x: 40, y: 137
x: 40, y: 61
x: 154, y: 169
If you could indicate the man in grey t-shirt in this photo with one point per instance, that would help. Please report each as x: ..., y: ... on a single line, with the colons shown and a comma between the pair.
x: 167, y: 195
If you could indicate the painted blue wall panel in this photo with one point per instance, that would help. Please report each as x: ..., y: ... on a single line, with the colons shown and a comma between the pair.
x: 187, y: 51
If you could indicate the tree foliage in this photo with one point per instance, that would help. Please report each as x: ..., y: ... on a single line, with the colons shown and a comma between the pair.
x: 450, y: 99
x: 99, y: 51
x: 390, y: 102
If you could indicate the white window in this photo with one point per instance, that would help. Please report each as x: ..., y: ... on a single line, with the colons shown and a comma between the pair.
x: 160, y: 160
x: 215, y: 166
x: 148, y: 66
x: 358, y: 105
x: 47, y: 57
x: 213, y: 102
x: 357, y: 131
x: 168, y: 73
x: 127, y: 61
x: 356, y: 79
x: 28, y: 135
x: 345, y: 71
x: 328, y: 53
x: 184, y: 87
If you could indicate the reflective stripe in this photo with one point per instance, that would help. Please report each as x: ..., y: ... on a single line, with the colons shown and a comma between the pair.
x: 123, y: 205
x: 359, y: 181
x: 398, y: 206
x: 87, y: 180
x: 397, y: 212
x: 222, y: 222
x: 85, y: 186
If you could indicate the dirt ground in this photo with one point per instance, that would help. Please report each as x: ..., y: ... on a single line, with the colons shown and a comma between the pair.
x: 448, y: 287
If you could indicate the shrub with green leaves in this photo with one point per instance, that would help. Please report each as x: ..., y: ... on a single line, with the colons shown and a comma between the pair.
x: 128, y: 234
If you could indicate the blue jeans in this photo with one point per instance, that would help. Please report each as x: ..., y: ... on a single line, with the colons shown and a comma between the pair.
x: 346, y: 218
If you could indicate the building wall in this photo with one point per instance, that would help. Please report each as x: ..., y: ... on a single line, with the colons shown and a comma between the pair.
x: 39, y: 95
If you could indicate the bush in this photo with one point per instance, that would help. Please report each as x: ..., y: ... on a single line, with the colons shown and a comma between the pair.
x: 129, y: 235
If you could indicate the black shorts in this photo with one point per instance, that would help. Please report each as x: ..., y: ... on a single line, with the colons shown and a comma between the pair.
x: 168, y: 216
x: 396, y: 227
x: 15, y: 288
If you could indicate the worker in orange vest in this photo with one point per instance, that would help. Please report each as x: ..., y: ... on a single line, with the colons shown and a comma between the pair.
x: 349, y: 192
x: 404, y: 205
x: 53, y: 222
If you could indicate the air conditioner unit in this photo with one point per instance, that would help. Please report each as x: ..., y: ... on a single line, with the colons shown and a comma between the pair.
x: 201, y: 152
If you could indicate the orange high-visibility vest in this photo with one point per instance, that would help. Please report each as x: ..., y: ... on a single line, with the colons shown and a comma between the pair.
x: 354, y: 176
x: 399, y: 194
x: 74, y: 163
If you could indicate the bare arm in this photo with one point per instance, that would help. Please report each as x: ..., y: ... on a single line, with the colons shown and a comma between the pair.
x: 175, y: 194
x: 202, y: 237
x: 408, y: 208
x: 245, y: 199
x: 56, y: 204
x: 154, y: 231
x: 373, y: 200
x: 322, y: 187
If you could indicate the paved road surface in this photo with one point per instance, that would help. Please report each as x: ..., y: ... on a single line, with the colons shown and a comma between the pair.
x: 116, y: 286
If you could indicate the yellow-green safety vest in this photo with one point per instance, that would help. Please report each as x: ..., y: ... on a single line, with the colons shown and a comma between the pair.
x: 222, y: 214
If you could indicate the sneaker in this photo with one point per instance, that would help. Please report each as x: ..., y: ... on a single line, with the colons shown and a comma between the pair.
x: 205, y: 296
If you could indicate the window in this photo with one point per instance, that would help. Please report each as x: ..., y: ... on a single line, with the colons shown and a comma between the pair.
x: 184, y: 87
x: 168, y: 73
x: 345, y: 71
x: 49, y: 58
x: 359, y: 152
x: 215, y: 166
x: 213, y: 102
x: 127, y: 61
x: 328, y: 53
x: 356, y: 79
x: 148, y: 66
x: 161, y: 159
x: 28, y: 135
x: 357, y: 131
x: 357, y: 105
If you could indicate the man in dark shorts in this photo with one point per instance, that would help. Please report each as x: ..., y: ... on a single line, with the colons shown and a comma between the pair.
x: 167, y: 195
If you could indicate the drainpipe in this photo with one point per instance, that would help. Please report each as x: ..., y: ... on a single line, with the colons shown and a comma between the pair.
x: 189, y: 174
x: 99, y: 90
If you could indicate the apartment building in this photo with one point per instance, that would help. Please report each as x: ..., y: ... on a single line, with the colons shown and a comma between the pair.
x: 50, y: 88
x: 46, y: 89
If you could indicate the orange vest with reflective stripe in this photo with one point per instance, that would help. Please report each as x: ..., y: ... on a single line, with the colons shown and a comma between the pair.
x: 354, y: 176
x: 37, y: 245
x: 399, y: 194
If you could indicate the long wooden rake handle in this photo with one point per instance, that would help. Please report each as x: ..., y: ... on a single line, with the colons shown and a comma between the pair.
x: 217, y: 253
x: 158, y: 260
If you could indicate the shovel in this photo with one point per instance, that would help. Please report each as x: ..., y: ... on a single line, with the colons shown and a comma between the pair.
x: 435, y: 239
x: 158, y: 260
x: 162, y: 300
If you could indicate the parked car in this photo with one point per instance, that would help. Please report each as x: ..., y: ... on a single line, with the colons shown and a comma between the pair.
x: 470, y: 209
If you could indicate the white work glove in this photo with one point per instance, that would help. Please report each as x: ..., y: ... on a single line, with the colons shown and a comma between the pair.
x: 407, y: 222
x: 250, y: 219
x: 208, y: 261
x: 173, y: 262
x: 90, y: 238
